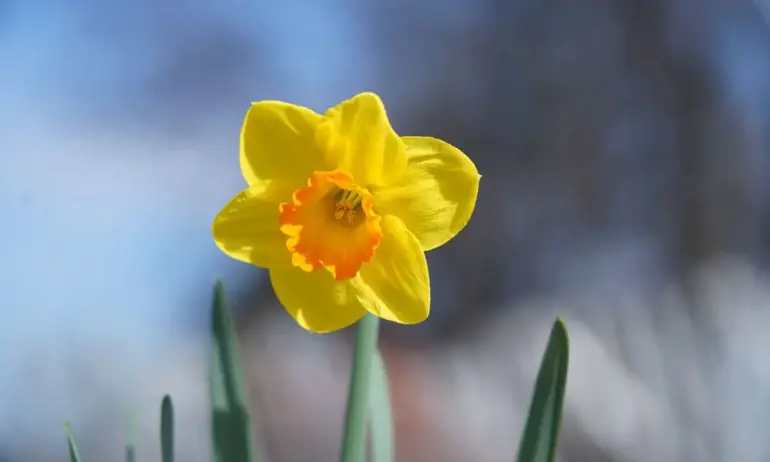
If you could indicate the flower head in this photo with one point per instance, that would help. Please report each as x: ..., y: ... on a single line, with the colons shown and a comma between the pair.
x: 341, y: 210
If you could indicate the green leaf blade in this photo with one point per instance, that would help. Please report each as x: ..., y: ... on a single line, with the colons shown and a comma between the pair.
x: 167, y: 429
x: 73, y: 447
x: 231, y: 420
x: 130, y: 453
x: 131, y: 437
x: 541, y: 431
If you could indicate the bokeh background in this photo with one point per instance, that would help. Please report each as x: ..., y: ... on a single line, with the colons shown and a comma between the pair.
x: 625, y: 174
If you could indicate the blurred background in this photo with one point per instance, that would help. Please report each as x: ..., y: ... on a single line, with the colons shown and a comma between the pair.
x: 625, y: 161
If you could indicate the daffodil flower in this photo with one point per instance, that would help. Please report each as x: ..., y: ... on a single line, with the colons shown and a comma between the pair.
x: 341, y: 210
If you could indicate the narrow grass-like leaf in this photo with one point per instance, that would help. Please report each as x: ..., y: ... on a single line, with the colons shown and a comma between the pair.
x: 231, y: 421
x: 74, y: 454
x: 354, y: 433
x: 130, y: 453
x: 381, y: 419
x: 541, y: 432
x: 167, y: 430
x: 131, y: 438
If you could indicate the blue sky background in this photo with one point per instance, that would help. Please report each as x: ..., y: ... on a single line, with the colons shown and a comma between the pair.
x: 91, y: 213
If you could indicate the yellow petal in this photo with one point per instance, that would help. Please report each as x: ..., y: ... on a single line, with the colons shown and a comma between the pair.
x: 436, y: 196
x: 315, y: 300
x: 358, y: 139
x: 278, y: 142
x: 247, y: 227
x: 395, y: 284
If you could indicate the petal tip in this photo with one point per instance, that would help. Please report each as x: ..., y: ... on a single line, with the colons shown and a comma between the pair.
x: 369, y: 95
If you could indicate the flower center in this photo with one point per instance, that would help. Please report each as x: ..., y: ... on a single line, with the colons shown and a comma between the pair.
x: 348, y: 210
x: 331, y: 224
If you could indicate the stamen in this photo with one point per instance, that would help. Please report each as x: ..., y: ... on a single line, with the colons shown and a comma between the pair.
x: 340, y: 211
x: 347, y: 207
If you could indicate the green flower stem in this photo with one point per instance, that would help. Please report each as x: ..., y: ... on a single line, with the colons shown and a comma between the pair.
x: 354, y: 439
x: 381, y: 419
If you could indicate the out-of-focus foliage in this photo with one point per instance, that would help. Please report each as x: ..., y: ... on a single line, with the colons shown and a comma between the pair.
x: 619, y: 140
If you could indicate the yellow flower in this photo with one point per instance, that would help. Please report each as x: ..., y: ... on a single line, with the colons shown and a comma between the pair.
x: 341, y: 209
